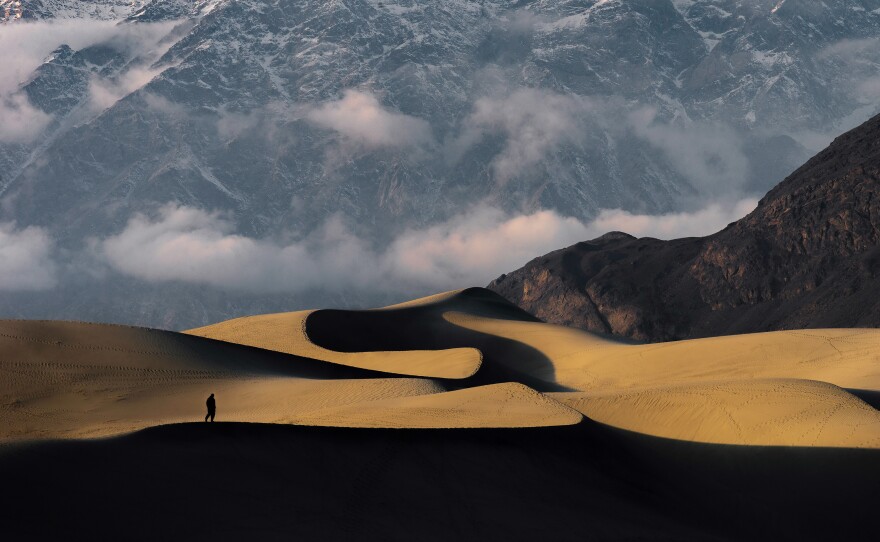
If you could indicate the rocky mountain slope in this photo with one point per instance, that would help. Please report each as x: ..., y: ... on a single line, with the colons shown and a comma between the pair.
x: 254, y: 108
x: 24, y: 10
x: 807, y: 257
x: 701, y: 101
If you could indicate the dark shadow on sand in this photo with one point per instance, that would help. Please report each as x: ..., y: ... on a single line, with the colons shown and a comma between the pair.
x: 104, y: 344
x: 424, y: 328
x: 230, y: 481
x: 869, y: 396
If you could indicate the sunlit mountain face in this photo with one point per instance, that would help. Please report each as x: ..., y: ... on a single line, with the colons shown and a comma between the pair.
x: 175, y: 162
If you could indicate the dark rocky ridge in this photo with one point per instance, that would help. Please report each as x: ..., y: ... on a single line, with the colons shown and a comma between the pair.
x: 806, y: 257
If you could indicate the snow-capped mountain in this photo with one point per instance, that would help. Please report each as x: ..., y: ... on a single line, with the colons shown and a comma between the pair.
x: 399, y: 114
x: 12, y: 10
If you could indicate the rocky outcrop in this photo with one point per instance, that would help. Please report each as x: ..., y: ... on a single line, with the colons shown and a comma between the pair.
x: 807, y: 256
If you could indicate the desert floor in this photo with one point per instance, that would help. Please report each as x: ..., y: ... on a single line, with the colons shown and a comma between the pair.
x: 457, y: 416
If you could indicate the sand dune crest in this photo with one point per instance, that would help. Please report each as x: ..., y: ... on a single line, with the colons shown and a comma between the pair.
x: 355, y: 369
x: 756, y: 412
x: 499, y: 405
x: 286, y: 333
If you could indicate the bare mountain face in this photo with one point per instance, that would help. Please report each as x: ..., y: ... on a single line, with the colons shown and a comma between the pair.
x: 24, y: 10
x: 807, y: 257
x: 399, y: 114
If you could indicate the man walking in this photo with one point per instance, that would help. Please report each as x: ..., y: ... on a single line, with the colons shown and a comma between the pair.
x: 212, y: 408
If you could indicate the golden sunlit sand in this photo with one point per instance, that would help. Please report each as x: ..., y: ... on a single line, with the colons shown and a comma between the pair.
x: 497, y: 405
x: 458, y: 408
x: 753, y: 412
x: 72, y: 380
x: 286, y: 333
x: 464, y: 359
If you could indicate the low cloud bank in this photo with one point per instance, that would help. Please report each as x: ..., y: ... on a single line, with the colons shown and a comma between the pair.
x: 26, y: 259
x: 185, y: 244
x: 708, y: 220
x: 190, y: 245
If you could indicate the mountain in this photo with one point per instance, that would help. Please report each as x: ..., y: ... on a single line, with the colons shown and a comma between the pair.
x: 807, y: 257
x: 260, y: 110
x: 24, y: 10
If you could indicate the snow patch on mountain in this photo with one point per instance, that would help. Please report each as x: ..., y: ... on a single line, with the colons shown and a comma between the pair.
x: 392, y: 115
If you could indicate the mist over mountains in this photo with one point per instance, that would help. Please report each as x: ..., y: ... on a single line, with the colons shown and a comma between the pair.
x: 806, y: 257
x: 201, y: 160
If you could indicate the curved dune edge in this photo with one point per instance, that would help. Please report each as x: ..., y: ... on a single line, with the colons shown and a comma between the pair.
x: 81, y: 380
x: 73, y: 380
x: 285, y: 332
x: 773, y: 412
x: 585, y: 361
x: 427, y: 301
x: 477, y: 300
x: 105, y: 407
x: 507, y: 405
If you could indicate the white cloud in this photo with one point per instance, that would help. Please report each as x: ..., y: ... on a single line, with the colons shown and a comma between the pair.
x: 20, y: 122
x: 191, y: 245
x: 165, y: 106
x: 534, y: 122
x: 857, y: 62
x: 26, y: 258
x: 103, y: 93
x: 868, y: 90
x: 26, y: 46
x: 185, y: 244
x: 482, y: 244
x: 705, y: 221
x: 477, y: 246
x: 231, y: 124
x: 146, y: 42
x: 362, y: 120
x: 709, y: 156
x: 850, y: 49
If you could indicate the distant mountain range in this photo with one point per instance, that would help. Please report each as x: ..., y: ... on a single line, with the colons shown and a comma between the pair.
x: 400, y: 114
x: 807, y: 257
x: 14, y: 10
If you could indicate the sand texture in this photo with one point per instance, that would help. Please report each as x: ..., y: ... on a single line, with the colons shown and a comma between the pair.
x: 497, y: 405
x: 286, y: 333
x: 73, y: 380
x: 753, y: 412
x: 463, y: 359
x: 454, y: 417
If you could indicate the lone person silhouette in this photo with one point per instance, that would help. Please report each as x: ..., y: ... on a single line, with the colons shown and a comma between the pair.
x: 212, y: 408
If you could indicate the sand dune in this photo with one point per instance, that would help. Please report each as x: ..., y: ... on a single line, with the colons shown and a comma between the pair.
x: 755, y: 412
x: 411, y: 338
x: 481, y: 362
x: 510, y: 429
x: 286, y: 332
x: 71, y: 380
x: 498, y: 405
x: 779, y: 388
x: 849, y: 358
